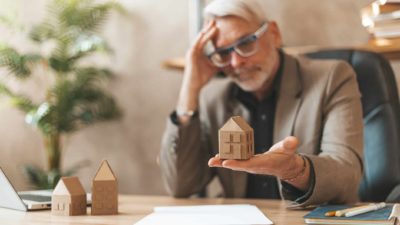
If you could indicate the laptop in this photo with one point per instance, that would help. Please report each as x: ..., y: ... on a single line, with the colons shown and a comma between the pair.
x: 26, y: 200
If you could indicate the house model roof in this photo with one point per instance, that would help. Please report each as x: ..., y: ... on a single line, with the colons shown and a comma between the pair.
x: 236, y: 123
x: 104, y: 172
x: 69, y: 186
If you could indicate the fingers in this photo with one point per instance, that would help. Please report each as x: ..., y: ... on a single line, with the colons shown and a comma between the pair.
x: 239, y: 165
x: 215, y: 161
x: 289, y: 144
x: 207, y: 33
x: 229, y: 164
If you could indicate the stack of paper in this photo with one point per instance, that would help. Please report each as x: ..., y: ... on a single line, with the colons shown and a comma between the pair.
x: 206, y: 215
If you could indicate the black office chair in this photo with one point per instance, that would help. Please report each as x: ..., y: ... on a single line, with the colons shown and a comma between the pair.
x: 381, y: 111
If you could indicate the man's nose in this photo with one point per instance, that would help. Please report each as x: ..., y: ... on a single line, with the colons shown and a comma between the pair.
x: 236, y: 60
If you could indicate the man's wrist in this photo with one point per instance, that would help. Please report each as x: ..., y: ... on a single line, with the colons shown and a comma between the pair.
x: 186, y: 113
x: 298, y: 174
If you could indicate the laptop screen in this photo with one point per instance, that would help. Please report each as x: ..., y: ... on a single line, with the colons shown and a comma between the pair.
x: 8, y: 196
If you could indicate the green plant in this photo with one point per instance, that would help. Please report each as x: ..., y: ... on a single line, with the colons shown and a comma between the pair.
x: 77, y: 96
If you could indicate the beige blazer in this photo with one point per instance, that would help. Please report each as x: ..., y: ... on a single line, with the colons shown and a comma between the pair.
x: 318, y: 102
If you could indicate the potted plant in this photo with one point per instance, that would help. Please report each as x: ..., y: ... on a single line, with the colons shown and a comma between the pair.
x: 76, y: 96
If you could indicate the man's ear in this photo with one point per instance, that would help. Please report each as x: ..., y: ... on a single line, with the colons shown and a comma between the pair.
x: 275, y: 33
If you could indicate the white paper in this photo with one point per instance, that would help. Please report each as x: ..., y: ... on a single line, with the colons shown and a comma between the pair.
x: 395, y: 214
x: 206, y: 215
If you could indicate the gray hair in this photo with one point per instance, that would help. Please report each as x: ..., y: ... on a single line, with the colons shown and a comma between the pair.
x: 249, y: 10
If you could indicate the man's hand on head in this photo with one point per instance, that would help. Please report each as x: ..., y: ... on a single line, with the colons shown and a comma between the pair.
x: 198, y: 72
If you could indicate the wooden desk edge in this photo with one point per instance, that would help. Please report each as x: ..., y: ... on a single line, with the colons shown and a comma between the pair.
x: 133, y: 208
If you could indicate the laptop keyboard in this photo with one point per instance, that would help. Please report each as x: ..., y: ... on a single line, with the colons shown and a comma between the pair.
x: 36, y: 198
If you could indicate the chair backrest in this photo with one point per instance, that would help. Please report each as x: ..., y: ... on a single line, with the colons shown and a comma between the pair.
x: 381, y: 111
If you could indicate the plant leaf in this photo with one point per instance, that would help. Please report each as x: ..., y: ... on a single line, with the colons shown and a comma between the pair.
x: 4, y: 90
x: 18, y: 64
x: 42, y: 32
x: 23, y: 103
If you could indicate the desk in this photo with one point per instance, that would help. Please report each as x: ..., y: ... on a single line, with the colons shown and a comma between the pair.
x: 133, y: 208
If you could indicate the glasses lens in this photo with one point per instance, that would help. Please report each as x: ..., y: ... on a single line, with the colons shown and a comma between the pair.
x: 247, y: 47
x: 221, y: 58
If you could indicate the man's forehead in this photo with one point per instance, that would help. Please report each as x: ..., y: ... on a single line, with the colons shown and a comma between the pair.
x: 231, y: 29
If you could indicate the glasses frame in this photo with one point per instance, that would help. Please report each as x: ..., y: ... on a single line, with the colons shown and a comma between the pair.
x: 234, y: 47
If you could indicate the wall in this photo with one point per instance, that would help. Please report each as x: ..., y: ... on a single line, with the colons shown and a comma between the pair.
x: 151, y: 32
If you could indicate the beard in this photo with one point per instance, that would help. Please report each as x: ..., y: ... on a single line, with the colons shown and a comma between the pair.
x: 250, y: 79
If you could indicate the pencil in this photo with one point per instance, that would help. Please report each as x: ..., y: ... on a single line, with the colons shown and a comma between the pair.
x: 330, y: 213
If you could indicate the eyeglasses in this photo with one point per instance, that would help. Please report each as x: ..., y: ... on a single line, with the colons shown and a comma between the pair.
x: 245, y: 47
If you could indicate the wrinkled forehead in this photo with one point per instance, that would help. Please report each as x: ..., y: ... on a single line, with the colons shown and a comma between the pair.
x: 231, y: 29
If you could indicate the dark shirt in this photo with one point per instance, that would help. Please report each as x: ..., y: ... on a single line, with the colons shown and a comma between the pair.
x: 262, y: 120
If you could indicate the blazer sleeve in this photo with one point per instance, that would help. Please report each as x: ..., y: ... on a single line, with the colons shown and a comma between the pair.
x: 338, y: 167
x: 183, y: 162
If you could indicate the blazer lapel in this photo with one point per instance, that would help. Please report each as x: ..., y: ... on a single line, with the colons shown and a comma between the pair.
x: 289, y: 99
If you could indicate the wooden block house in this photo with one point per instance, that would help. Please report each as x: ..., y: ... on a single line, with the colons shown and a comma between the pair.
x: 104, y: 191
x: 69, y: 198
x: 236, y: 139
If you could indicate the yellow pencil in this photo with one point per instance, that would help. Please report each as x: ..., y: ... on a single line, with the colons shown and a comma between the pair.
x: 330, y: 213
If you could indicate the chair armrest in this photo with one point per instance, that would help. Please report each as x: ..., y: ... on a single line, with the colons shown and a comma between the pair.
x: 394, y: 195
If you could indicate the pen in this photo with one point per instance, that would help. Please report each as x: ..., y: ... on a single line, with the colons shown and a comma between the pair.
x: 365, y: 209
x: 342, y: 212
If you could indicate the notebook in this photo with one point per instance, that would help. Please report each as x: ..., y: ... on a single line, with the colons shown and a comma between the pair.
x: 381, y: 216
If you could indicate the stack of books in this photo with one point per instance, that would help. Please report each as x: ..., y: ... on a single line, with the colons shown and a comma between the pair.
x: 382, y: 19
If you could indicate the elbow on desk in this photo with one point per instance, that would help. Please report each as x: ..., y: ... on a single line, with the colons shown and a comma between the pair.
x: 179, y: 192
x: 173, y: 190
x: 176, y: 193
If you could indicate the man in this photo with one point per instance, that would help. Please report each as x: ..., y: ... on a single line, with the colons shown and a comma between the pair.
x: 310, y: 109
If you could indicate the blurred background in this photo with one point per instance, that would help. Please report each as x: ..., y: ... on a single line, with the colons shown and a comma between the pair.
x: 151, y: 32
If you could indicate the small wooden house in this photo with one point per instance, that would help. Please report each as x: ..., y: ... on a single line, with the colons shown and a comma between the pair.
x: 104, y: 191
x: 69, y: 198
x: 236, y: 139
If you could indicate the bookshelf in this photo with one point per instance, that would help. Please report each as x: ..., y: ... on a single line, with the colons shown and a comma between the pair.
x: 390, y: 48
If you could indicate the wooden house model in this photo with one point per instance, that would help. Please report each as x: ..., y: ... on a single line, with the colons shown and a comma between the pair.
x: 69, y: 198
x: 104, y: 191
x: 236, y: 139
